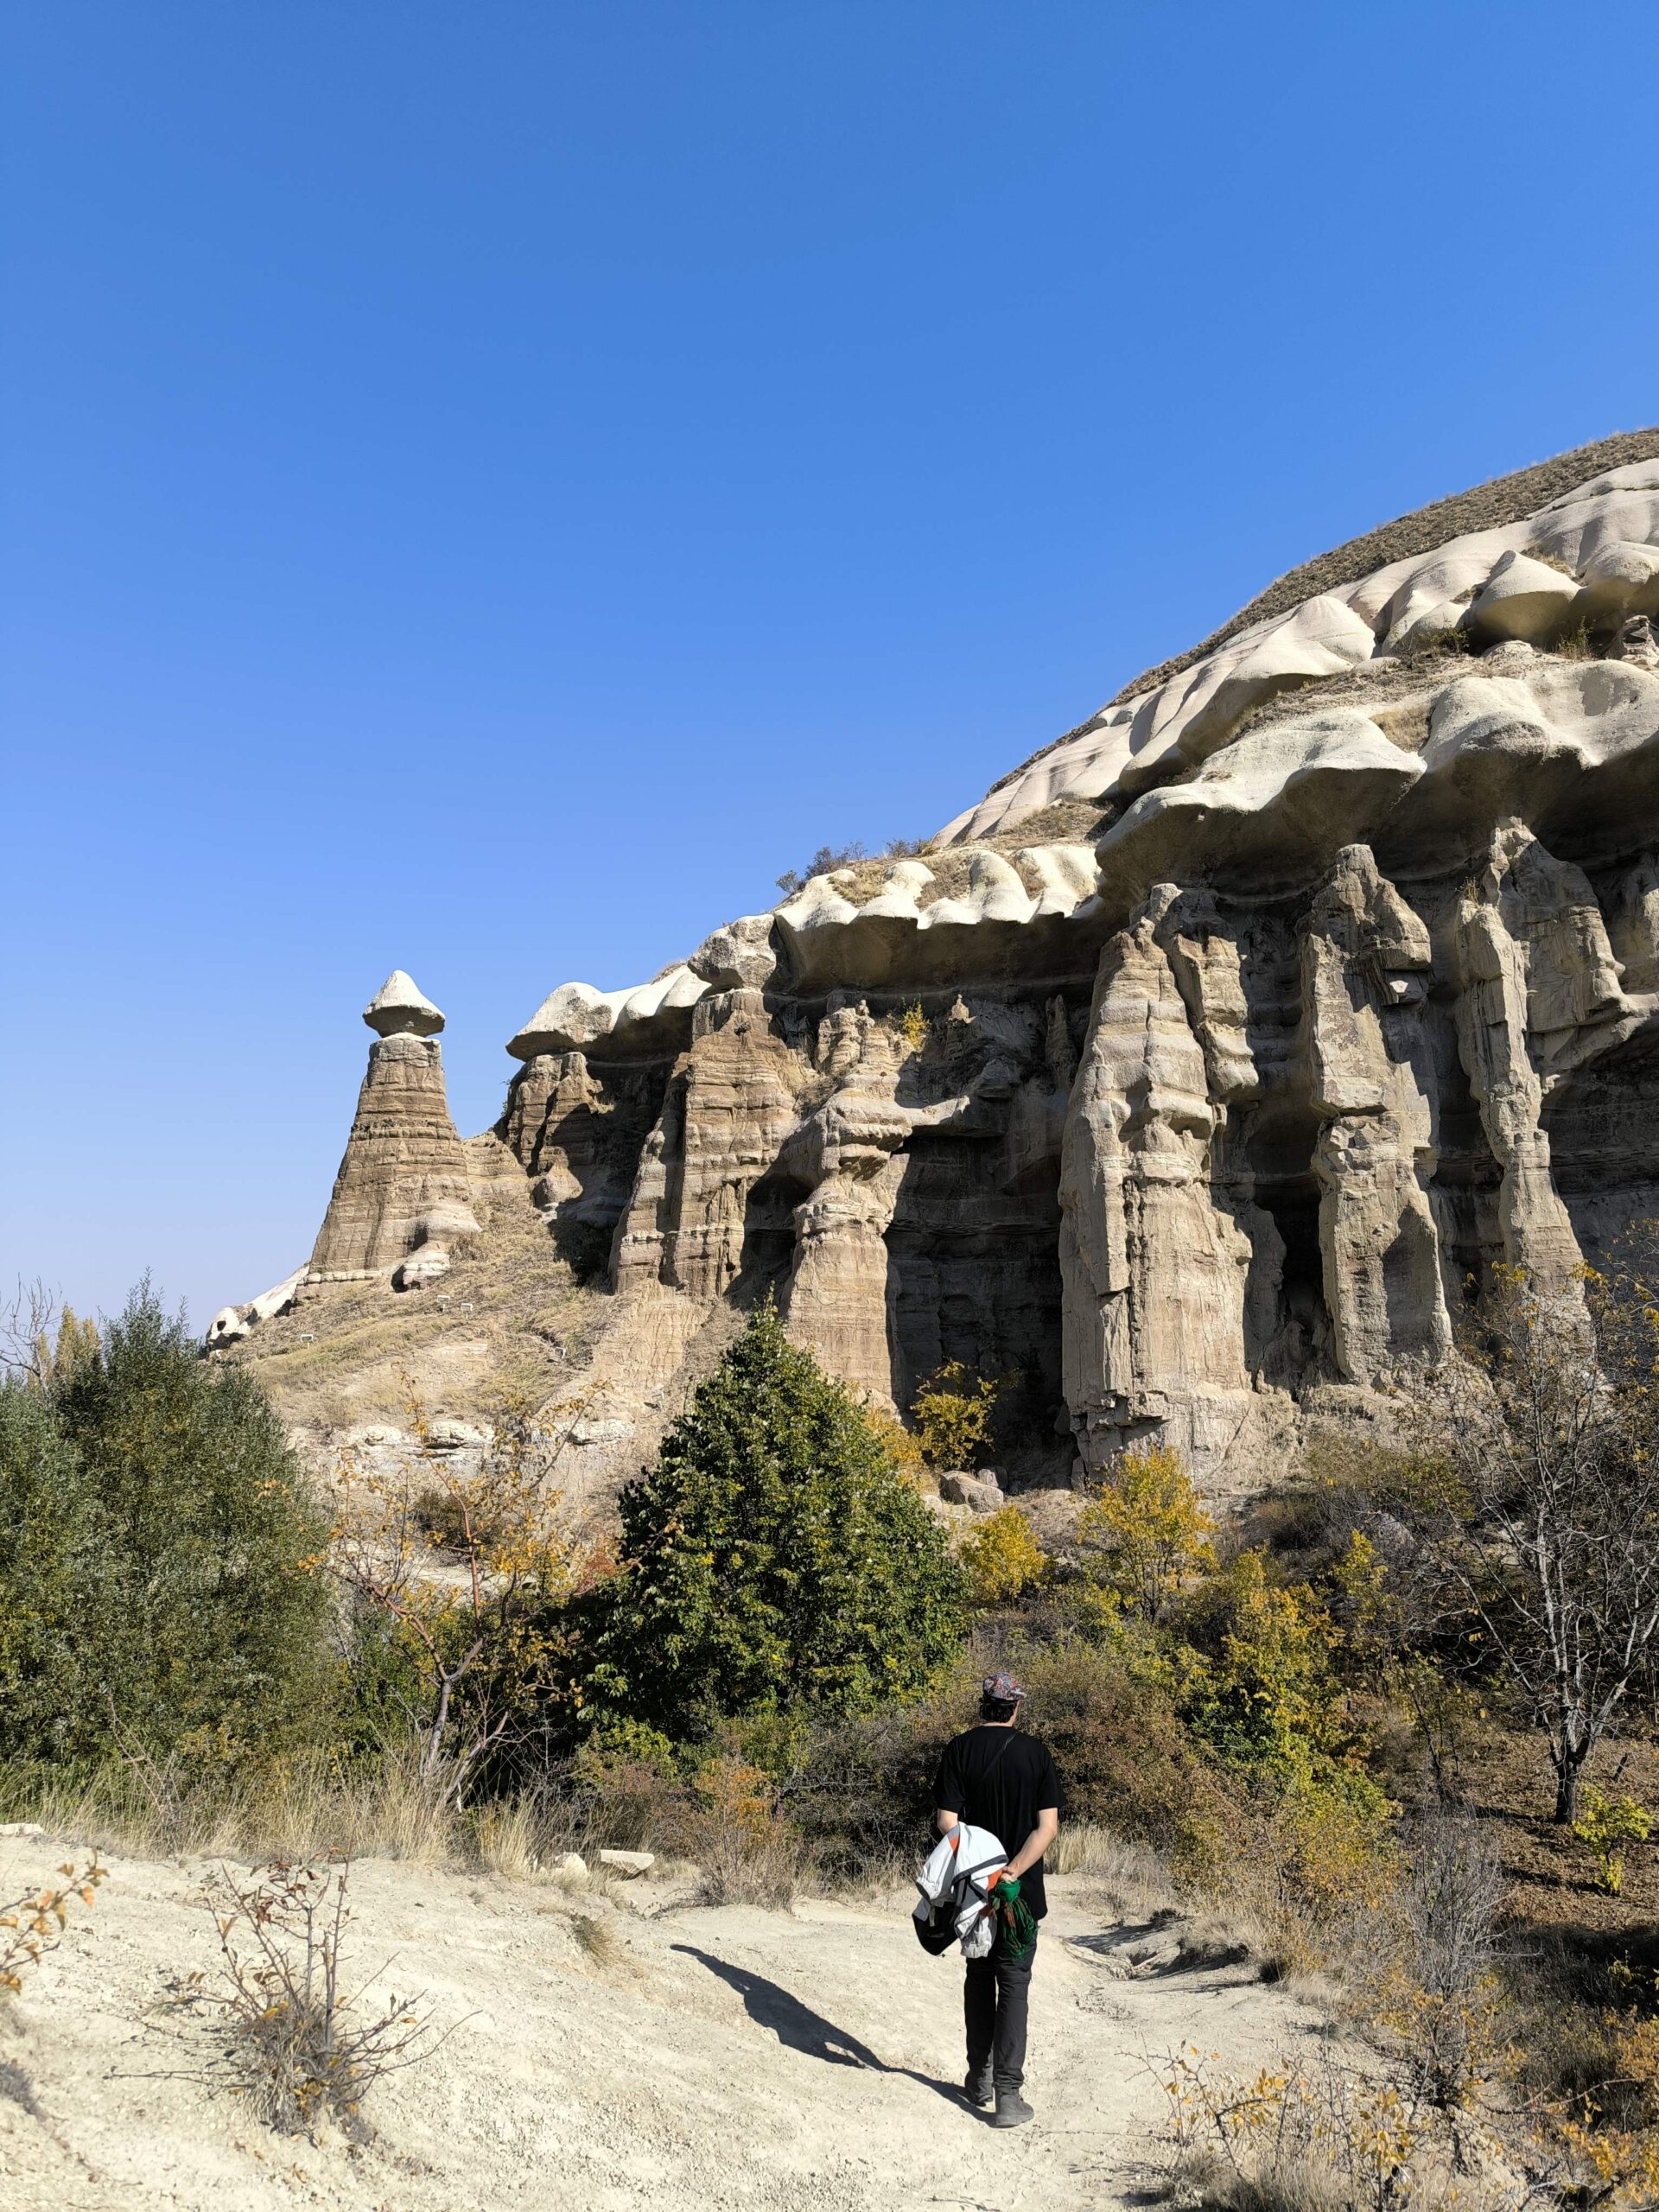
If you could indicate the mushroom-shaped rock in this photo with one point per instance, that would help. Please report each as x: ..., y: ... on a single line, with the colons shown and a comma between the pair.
x: 1270, y: 806
x: 227, y: 1327
x: 737, y: 957
x: 427, y: 1264
x: 577, y: 1018
x: 1622, y: 579
x: 398, y: 1010
x: 1525, y: 599
x: 403, y: 1160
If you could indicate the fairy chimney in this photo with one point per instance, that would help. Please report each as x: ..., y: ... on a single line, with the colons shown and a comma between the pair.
x: 402, y: 1197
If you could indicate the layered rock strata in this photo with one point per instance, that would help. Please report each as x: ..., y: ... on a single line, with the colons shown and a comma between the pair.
x: 402, y: 1197
x: 1340, y: 984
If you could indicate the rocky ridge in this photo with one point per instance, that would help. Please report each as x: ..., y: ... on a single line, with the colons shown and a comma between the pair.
x: 1198, y: 1126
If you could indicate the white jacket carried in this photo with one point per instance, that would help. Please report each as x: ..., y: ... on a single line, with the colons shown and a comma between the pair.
x: 954, y: 1879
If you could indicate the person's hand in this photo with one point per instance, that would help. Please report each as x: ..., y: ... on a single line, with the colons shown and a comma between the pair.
x: 991, y: 1880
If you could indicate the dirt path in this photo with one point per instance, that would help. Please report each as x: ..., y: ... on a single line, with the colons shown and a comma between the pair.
x: 716, y: 2058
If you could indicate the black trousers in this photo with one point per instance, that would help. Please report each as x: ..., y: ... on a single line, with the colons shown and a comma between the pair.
x: 994, y: 2001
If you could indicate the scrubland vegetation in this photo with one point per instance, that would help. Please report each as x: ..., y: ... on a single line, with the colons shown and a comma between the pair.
x: 1388, y: 1733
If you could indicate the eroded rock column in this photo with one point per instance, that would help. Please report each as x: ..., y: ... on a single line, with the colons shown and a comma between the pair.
x: 846, y: 1151
x: 1155, y: 1270
x: 1536, y: 969
x: 403, y: 1197
x: 1365, y: 958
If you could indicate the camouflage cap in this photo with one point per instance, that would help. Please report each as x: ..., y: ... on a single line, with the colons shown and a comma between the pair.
x: 1002, y: 1687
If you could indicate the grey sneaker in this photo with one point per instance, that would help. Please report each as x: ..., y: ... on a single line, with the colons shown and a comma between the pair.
x: 978, y: 2087
x: 1012, y: 2110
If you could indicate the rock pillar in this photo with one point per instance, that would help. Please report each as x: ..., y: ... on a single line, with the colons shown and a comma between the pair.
x: 403, y: 1197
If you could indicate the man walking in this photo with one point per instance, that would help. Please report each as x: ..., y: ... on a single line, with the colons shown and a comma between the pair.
x: 993, y: 1778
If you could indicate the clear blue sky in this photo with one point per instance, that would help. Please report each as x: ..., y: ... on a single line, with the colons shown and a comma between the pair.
x: 486, y: 485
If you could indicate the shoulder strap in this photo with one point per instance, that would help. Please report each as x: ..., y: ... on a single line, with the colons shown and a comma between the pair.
x: 990, y: 1764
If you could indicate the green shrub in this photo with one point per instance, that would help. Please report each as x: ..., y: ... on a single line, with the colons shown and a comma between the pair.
x: 1604, y: 1825
x: 160, y: 1569
x: 772, y: 1558
x: 1267, y: 1697
x: 56, y: 1596
x: 1125, y: 1758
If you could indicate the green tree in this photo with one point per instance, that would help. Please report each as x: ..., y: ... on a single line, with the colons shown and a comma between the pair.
x: 1267, y: 1695
x: 54, y: 1590
x: 772, y: 1559
x: 201, y: 1622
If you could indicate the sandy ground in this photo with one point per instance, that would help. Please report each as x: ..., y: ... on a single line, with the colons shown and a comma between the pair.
x: 721, y: 2057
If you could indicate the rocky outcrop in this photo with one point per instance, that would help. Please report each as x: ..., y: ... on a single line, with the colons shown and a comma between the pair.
x: 402, y: 1197
x: 1365, y: 955
x: 1154, y: 1262
x: 1335, y: 982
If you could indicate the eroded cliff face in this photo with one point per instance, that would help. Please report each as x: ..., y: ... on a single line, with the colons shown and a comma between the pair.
x: 1342, y: 984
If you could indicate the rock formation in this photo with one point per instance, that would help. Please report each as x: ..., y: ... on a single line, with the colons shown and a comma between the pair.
x: 402, y: 1196
x: 1194, y: 1078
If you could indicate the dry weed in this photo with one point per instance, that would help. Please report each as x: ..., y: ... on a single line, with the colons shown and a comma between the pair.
x: 1318, y: 2137
x: 598, y: 1938
x: 1136, y: 1878
x: 747, y: 1854
x: 34, y: 1919
x: 291, y: 2042
x: 509, y: 1841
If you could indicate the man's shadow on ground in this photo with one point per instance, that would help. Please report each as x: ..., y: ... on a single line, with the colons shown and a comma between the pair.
x: 797, y: 2027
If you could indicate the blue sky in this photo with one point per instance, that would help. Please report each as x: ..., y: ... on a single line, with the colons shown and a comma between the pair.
x: 487, y: 486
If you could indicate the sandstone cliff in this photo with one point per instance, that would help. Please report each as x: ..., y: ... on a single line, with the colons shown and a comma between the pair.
x: 1195, y: 1076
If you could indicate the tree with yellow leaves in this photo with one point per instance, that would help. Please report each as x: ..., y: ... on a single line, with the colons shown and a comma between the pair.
x: 1001, y: 1556
x: 952, y: 1412
x: 1144, y: 1531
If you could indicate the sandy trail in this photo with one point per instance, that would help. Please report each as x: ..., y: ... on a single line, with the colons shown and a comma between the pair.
x: 721, y: 2057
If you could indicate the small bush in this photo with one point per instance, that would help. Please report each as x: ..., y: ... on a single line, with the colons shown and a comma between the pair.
x: 475, y: 1658
x: 1300, y: 1875
x: 1128, y: 1764
x: 911, y: 1025
x: 746, y: 1852
x: 293, y: 2042
x: 1427, y: 1966
x: 1146, y: 1530
x: 629, y: 1799
x: 1604, y: 1825
x: 1305, y: 2136
x: 826, y: 858
x: 1001, y: 1557
x: 952, y: 1412
x: 1266, y: 1695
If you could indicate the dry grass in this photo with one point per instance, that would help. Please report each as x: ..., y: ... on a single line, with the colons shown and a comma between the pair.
x: 1136, y: 1878
x: 511, y: 1840
x: 598, y: 1939
x: 304, y: 1810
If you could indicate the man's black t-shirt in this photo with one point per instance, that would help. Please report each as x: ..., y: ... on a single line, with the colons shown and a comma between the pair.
x: 1005, y: 1796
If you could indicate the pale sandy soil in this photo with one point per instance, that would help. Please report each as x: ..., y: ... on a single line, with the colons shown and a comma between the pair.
x: 724, y: 2057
